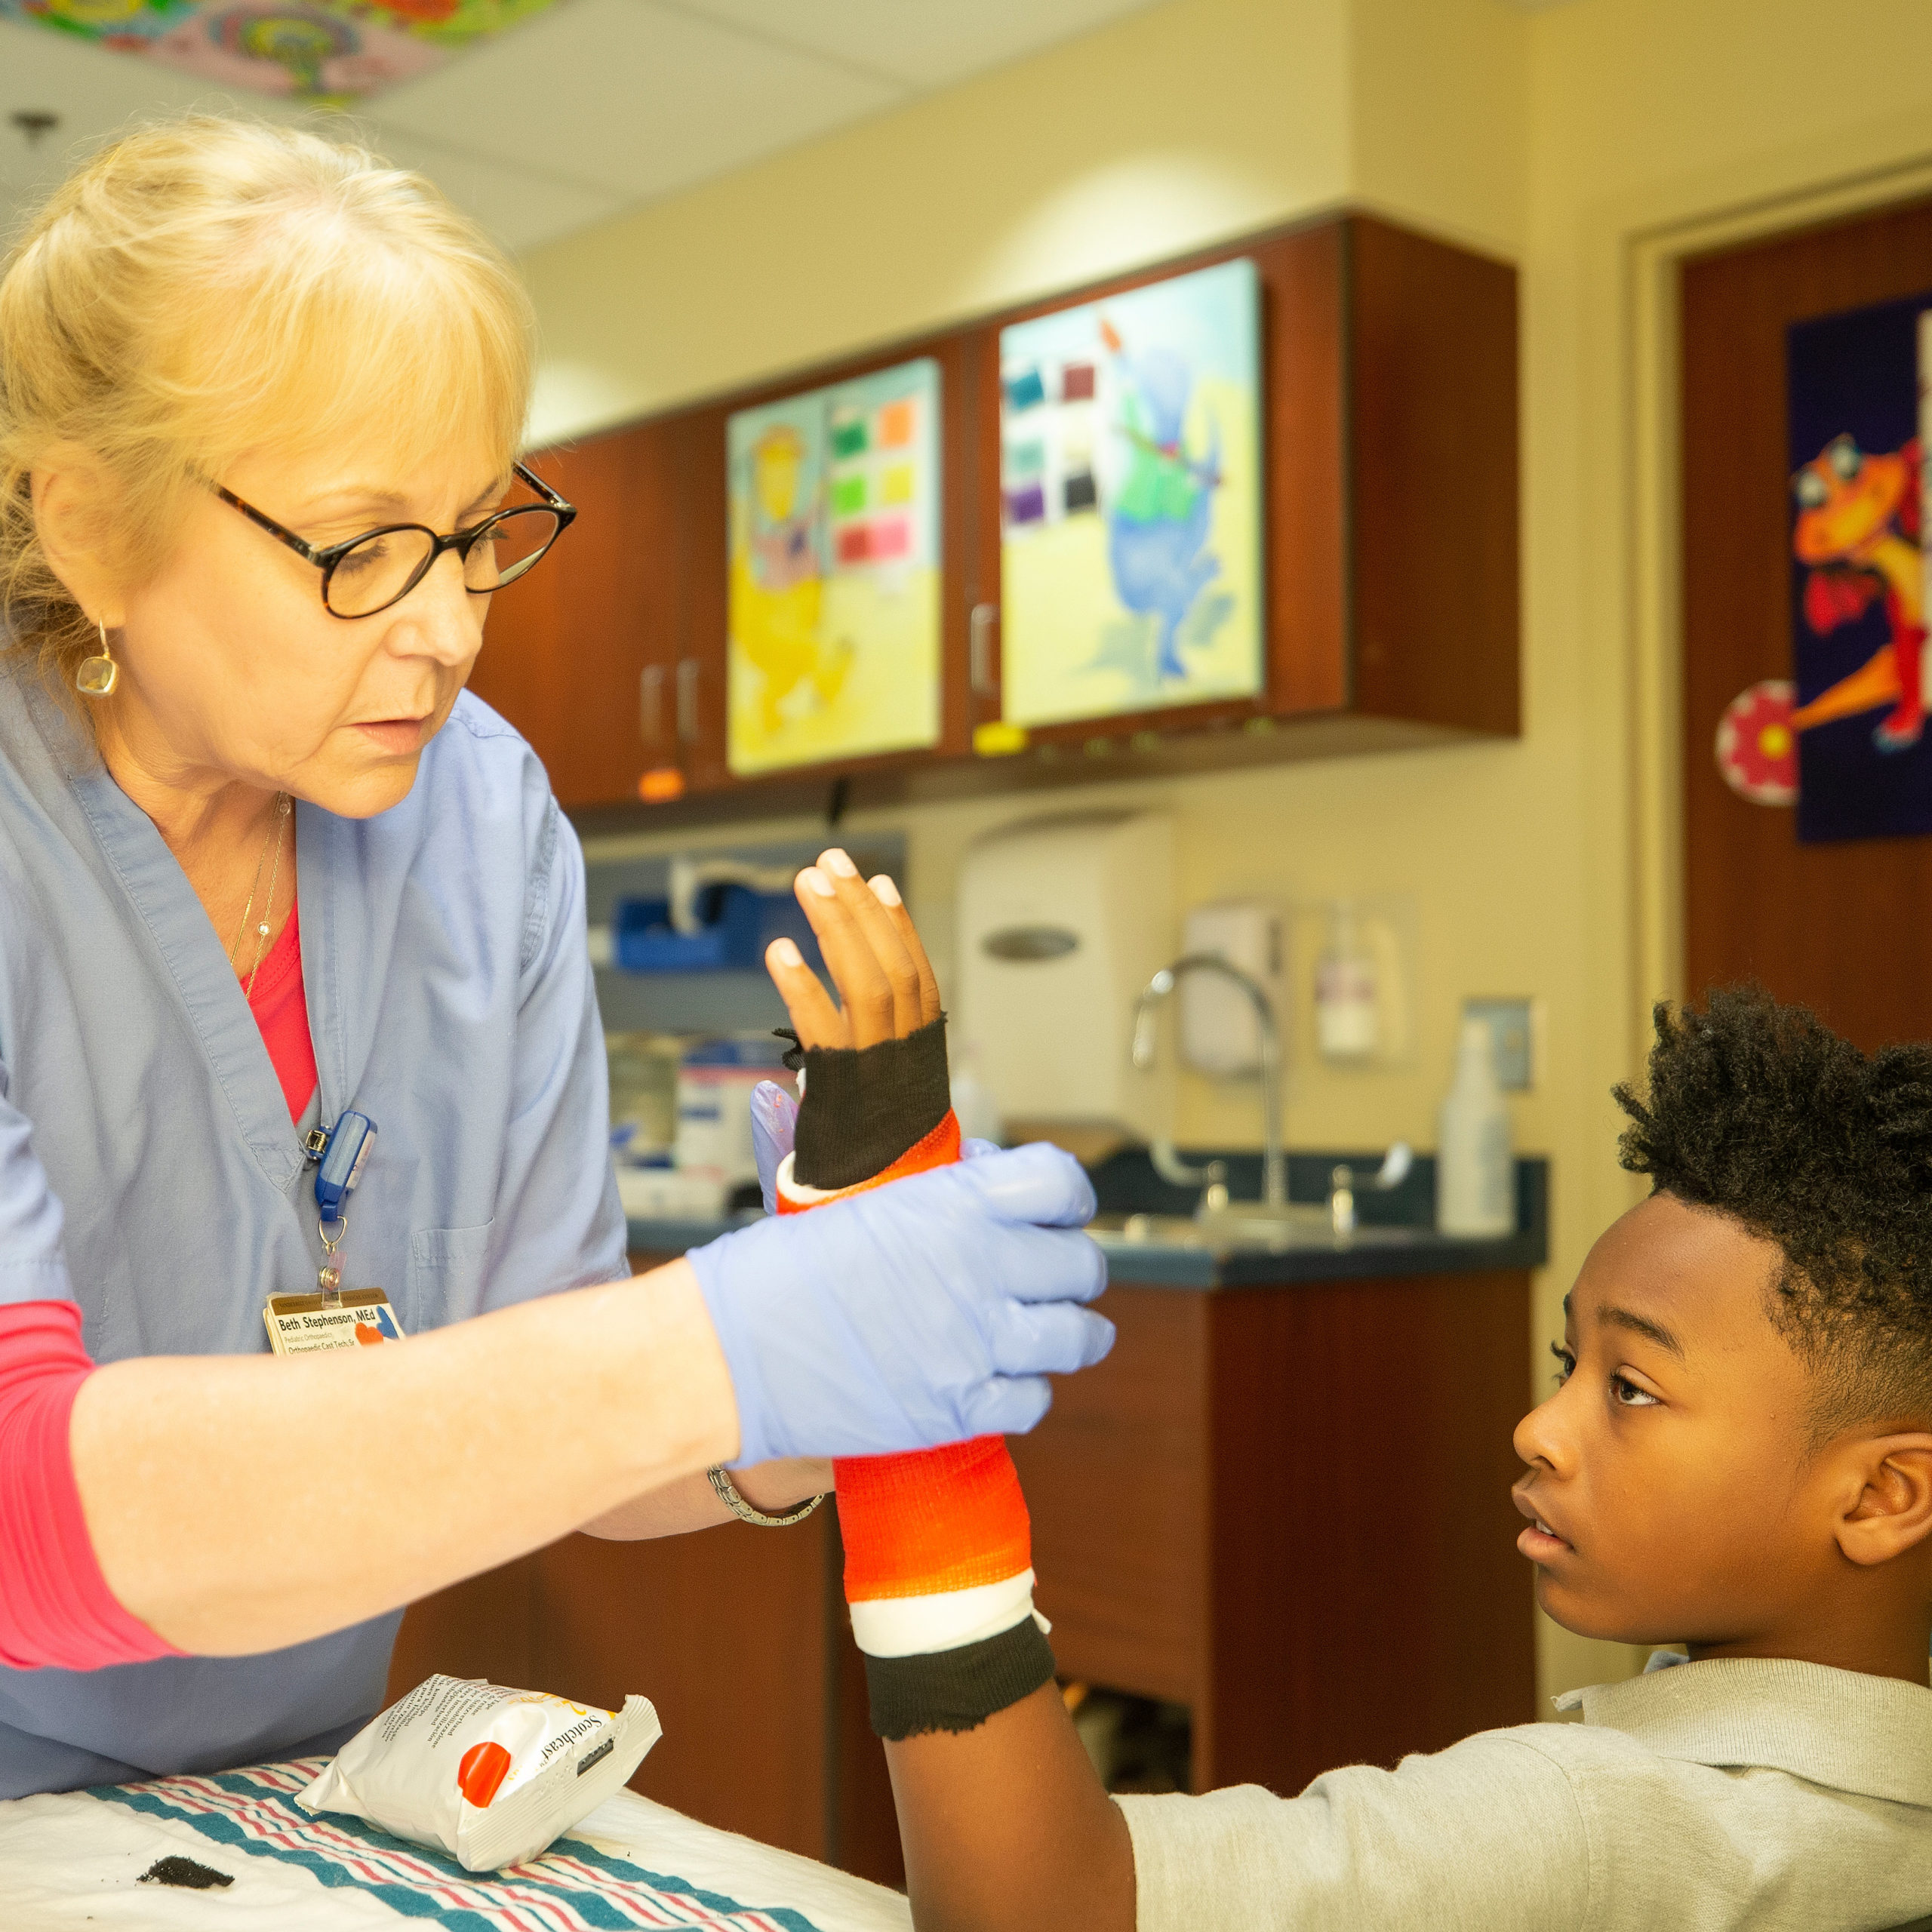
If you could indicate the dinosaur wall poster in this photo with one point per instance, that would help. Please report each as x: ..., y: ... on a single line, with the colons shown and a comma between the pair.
x: 834, y: 648
x: 1131, y: 493
x: 1857, y: 394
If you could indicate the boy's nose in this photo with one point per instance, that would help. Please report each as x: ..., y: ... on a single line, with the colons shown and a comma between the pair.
x: 1541, y: 1437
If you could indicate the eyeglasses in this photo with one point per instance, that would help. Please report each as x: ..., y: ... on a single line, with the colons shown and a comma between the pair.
x: 381, y: 568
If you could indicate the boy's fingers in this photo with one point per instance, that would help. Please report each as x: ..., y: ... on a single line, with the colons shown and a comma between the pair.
x: 886, y: 893
x: 864, y: 989
x: 814, y: 1019
x: 871, y: 918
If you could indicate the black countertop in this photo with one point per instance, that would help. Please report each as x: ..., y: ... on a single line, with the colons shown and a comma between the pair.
x: 1394, y: 1235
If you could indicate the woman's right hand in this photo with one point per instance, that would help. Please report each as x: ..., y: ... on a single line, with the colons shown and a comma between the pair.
x: 923, y: 1312
x: 927, y: 1311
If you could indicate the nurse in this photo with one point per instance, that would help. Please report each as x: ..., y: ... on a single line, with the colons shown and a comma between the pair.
x: 266, y: 872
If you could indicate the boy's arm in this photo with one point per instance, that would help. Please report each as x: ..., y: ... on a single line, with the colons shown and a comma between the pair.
x: 1006, y: 1827
x: 1003, y: 1821
x: 1005, y: 1824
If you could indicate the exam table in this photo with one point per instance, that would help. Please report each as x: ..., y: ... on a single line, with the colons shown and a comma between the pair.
x: 72, y: 1857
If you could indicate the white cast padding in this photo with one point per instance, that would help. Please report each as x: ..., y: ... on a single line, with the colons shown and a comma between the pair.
x: 797, y: 1192
x: 916, y: 1626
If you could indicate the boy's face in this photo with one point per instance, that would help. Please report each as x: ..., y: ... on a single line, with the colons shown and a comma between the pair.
x: 1668, y: 1470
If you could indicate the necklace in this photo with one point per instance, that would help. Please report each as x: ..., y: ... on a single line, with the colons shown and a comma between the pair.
x: 271, y: 845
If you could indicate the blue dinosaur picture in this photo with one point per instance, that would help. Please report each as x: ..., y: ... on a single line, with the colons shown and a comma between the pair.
x: 1130, y: 481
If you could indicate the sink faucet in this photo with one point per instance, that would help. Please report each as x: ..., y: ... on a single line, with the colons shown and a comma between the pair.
x: 1274, y: 1172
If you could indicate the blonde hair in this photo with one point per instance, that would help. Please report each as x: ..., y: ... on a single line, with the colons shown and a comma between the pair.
x: 205, y: 287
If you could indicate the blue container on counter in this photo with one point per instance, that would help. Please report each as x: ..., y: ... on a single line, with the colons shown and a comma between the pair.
x: 642, y: 940
x: 740, y: 924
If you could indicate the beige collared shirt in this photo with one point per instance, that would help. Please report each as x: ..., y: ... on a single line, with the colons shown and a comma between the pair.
x: 1742, y: 1792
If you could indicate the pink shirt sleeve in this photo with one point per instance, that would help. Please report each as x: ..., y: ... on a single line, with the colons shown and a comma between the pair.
x: 55, y: 1607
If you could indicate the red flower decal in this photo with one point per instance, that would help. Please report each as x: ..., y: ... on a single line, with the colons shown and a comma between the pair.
x: 1757, y: 749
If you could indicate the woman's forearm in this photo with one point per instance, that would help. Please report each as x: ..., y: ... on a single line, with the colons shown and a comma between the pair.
x: 241, y: 1503
x: 691, y: 1503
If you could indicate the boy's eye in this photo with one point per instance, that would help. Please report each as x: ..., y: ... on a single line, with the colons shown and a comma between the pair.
x: 1566, y: 1363
x: 1628, y: 1396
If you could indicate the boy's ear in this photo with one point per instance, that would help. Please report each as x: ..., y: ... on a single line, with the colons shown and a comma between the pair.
x: 1892, y: 1511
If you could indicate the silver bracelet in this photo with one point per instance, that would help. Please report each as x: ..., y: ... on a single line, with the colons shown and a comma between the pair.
x: 727, y: 1492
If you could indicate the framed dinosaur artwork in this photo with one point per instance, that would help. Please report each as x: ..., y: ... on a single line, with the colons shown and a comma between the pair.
x: 1857, y: 403
x: 833, y: 644
x: 1131, y: 469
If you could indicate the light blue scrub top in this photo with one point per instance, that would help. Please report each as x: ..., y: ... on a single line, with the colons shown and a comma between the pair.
x: 149, y: 1171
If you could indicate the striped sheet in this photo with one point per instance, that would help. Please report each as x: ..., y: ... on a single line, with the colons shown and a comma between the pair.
x: 573, y: 1887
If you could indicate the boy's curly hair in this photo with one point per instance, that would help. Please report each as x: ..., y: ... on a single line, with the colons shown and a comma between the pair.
x: 1760, y: 1112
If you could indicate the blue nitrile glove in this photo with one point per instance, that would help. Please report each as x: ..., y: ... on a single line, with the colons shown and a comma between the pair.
x: 775, y: 1127
x: 924, y: 1312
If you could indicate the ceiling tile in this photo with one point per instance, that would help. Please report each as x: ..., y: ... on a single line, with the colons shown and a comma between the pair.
x: 96, y: 92
x: 628, y: 96
x: 925, y: 43
x: 522, y: 207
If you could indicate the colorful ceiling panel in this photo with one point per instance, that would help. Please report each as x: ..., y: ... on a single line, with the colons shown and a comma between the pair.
x: 321, y: 51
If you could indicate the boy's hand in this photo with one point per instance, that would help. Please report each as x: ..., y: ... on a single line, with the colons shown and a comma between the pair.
x: 885, y: 983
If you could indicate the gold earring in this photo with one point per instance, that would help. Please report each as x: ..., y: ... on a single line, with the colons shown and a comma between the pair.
x: 98, y: 675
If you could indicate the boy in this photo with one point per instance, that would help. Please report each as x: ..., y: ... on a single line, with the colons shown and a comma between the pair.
x: 1738, y: 1457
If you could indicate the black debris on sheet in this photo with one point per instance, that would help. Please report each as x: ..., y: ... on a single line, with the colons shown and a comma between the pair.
x: 175, y: 1871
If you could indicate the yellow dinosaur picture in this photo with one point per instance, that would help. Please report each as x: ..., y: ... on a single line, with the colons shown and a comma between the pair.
x: 833, y: 649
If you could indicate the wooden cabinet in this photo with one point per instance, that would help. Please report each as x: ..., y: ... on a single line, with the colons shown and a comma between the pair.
x: 582, y: 656
x: 1286, y: 1508
x: 1390, y: 367
x: 1391, y: 515
x: 1212, y: 1519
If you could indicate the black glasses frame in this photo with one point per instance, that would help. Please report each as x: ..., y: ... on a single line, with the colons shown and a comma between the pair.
x: 462, y: 542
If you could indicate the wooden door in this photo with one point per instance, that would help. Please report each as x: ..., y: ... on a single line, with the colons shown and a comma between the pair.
x: 1835, y: 926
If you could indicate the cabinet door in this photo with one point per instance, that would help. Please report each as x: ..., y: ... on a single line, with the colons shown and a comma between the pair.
x: 697, y: 443
x: 1433, y: 515
x: 578, y: 655
x: 703, y: 671
x: 1304, y: 500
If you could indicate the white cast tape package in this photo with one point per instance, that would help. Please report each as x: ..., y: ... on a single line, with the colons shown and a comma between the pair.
x: 491, y: 1777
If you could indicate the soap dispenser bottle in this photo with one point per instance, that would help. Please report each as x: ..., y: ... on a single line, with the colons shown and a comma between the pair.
x: 1474, y: 1176
x: 1347, y: 1021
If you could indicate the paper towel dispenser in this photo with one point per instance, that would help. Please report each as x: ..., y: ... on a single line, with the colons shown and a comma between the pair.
x: 1062, y: 920
x: 1021, y: 943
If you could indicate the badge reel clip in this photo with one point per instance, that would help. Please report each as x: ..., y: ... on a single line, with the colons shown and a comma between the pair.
x: 342, y: 1151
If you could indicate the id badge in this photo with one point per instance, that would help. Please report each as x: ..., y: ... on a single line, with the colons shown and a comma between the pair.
x: 309, y: 1324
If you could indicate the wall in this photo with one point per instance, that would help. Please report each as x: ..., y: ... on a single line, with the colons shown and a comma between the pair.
x: 1181, y: 124
x: 1582, y: 141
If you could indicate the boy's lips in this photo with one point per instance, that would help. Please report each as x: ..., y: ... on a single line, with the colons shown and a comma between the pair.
x: 1542, y: 1542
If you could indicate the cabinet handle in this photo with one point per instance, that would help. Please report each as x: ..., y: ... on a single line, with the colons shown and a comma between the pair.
x: 688, y: 670
x: 651, y: 704
x: 980, y: 654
